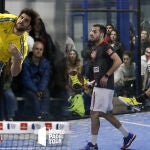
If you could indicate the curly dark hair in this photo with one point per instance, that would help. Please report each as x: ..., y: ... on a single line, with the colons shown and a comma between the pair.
x: 31, y: 13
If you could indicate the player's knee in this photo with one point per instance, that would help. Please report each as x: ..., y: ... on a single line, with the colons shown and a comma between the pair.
x: 102, y: 114
x: 94, y: 114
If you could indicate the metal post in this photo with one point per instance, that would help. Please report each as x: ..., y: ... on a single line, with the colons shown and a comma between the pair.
x: 85, y: 22
x: 123, y: 24
x: 138, y: 51
x: 60, y: 24
x: 2, y: 6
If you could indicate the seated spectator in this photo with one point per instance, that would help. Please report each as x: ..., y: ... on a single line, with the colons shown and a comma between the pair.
x: 145, y: 41
x: 125, y: 76
x: 35, y: 77
x: 30, y: 42
x: 115, y: 43
x: 76, y: 80
x: 39, y: 33
x: 86, y: 52
x: 145, y: 61
x: 74, y: 67
x: 69, y: 45
x: 144, y: 97
x: 132, y: 45
x: 144, y: 24
x: 147, y: 77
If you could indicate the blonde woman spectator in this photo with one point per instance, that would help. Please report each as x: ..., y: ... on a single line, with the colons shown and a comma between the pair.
x: 76, y: 82
x: 74, y: 71
x: 69, y: 45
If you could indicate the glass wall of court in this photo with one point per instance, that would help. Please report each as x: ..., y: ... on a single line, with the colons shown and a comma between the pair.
x: 81, y: 14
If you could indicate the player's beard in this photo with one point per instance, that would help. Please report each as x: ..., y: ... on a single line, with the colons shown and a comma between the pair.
x: 20, y: 28
x: 94, y: 41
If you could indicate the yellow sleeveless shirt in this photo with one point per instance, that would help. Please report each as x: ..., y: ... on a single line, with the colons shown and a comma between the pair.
x: 7, y: 22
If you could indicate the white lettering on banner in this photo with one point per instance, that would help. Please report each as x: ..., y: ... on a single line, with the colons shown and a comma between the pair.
x: 55, y: 138
x: 55, y: 141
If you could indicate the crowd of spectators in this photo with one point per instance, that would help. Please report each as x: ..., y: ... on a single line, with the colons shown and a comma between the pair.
x: 45, y: 75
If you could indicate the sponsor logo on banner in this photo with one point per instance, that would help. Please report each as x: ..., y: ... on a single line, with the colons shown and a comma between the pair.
x: 48, y: 126
x: 23, y: 126
x: 36, y: 126
x: 1, y: 126
x: 59, y: 126
x: 11, y: 126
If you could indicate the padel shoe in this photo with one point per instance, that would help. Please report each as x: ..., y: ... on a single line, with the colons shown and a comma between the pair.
x: 128, y: 140
x: 90, y: 146
x: 131, y: 102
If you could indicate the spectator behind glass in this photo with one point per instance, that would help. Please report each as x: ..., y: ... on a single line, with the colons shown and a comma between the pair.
x: 39, y: 33
x: 145, y: 62
x: 30, y: 42
x: 74, y: 71
x: 145, y: 41
x: 115, y: 43
x: 35, y: 77
x: 86, y: 55
x: 145, y: 25
x: 132, y: 45
x: 109, y: 28
x: 69, y: 44
x: 76, y: 81
x: 124, y: 76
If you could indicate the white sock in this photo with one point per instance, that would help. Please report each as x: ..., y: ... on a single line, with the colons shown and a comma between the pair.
x: 94, y: 139
x: 124, y: 131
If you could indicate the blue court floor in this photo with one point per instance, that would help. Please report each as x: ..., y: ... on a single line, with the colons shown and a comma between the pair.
x: 109, y: 137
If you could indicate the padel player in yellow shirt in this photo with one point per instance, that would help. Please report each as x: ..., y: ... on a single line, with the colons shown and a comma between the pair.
x: 13, y: 41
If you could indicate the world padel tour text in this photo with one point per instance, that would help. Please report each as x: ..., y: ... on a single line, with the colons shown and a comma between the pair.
x: 55, y: 137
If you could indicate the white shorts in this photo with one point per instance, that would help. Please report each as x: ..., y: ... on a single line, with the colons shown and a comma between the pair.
x: 102, y: 99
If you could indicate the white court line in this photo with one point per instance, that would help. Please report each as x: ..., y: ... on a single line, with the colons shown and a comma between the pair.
x: 139, y: 124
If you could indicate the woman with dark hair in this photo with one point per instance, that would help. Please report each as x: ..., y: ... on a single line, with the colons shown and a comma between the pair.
x: 39, y: 33
x: 125, y: 76
x: 115, y: 43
